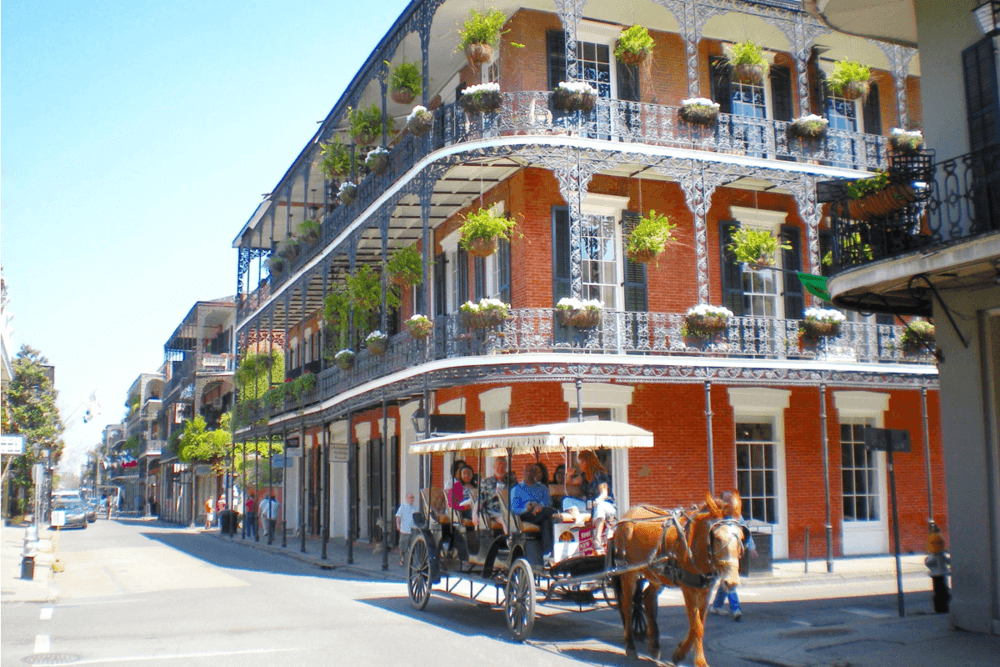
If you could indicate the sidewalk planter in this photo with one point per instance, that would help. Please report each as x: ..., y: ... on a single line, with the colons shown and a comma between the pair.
x: 706, y: 322
x: 574, y: 96
x: 821, y: 323
x: 419, y: 327
x: 809, y: 127
x: 579, y: 313
x: 481, y: 98
x: 420, y: 121
x: 699, y: 111
x: 377, y: 343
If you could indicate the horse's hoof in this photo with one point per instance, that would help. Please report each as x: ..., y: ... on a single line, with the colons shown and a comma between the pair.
x: 656, y: 654
x: 631, y: 652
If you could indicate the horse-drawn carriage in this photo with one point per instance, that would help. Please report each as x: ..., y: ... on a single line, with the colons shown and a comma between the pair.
x: 502, y: 564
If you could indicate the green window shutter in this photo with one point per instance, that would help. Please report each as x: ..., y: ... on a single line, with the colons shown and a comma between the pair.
x: 628, y: 82
x: 872, y: 112
x: 555, y: 46
x: 503, y: 257
x: 562, y: 282
x: 981, y: 99
x: 440, y: 285
x: 462, y: 257
x: 732, y: 273
x: 635, y: 272
x: 781, y: 93
x: 479, y: 280
x: 791, y: 260
x: 722, y: 77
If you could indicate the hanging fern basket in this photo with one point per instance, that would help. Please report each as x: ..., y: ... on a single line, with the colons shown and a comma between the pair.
x: 750, y: 73
x: 478, y: 54
x: 402, y: 95
x: 644, y: 256
x: 482, y: 247
x: 855, y: 90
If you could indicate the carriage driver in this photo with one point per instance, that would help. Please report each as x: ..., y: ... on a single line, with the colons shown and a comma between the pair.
x: 530, y: 500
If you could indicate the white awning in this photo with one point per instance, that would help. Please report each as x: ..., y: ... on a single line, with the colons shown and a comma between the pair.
x: 526, y: 439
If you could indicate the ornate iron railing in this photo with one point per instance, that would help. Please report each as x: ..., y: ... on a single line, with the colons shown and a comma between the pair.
x: 961, y: 200
x: 618, y: 122
x: 536, y: 330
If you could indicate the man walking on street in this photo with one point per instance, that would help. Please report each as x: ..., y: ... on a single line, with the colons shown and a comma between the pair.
x: 250, y: 521
x: 404, y: 524
x: 269, y: 512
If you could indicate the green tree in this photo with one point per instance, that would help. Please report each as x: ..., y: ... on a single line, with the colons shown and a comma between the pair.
x: 199, y: 443
x: 32, y: 412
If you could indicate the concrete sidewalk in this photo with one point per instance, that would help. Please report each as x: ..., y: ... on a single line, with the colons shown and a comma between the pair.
x: 13, y: 588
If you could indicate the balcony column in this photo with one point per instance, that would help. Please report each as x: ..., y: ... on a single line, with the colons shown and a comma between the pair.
x: 801, y: 32
x: 899, y: 59
x: 352, y: 255
x: 570, y: 12
x: 243, y: 258
x: 426, y: 190
x: 698, y: 186
x: 383, y: 84
x: 804, y: 193
x: 691, y: 17
x: 384, y: 229
x: 322, y: 323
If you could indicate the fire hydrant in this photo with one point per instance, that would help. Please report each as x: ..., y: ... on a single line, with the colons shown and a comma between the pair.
x: 937, y: 562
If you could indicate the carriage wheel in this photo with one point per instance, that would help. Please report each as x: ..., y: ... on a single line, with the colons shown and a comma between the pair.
x: 418, y: 573
x: 519, y: 604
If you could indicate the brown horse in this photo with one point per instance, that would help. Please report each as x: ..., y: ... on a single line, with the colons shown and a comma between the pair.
x: 684, y: 548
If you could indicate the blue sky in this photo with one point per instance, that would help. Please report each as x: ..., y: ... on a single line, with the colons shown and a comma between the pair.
x: 136, y: 139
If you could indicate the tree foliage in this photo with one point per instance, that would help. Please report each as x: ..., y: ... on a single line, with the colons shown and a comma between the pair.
x: 199, y: 443
x: 31, y: 407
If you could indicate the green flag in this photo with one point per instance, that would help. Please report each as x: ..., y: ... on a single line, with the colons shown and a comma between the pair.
x: 815, y: 285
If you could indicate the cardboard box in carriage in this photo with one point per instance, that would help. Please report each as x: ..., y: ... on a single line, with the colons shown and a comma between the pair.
x: 572, y: 541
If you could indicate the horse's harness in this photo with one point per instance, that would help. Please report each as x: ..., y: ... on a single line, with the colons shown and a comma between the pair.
x: 664, y: 560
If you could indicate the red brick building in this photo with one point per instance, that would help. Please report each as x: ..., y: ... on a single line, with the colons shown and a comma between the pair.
x: 755, y: 407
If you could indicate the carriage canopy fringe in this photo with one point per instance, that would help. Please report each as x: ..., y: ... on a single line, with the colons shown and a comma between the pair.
x: 543, y: 437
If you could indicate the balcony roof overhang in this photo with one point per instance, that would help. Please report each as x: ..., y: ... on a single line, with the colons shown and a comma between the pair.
x: 886, y: 20
x: 899, y: 285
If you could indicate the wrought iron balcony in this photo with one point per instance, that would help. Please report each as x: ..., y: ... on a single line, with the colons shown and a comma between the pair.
x: 531, y: 330
x: 962, y: 201
x: 617, y: 122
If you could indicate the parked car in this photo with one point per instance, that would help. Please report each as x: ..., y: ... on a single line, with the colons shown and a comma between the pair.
x: 92, y: 507
x: 75, y: 513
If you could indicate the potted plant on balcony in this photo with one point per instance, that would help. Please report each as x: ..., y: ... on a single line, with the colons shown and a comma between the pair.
x: 377, y: 343
x: 699, y: 111
x: 649, y: 238
x: 705, y: 321
x: 918, y: 337
x: 405, y: 82
x: 419, y: 326
x: 748, y: 62
x: 302, y: 384
x: 482, y: 230
x: 480, y: 34
x: 309, y: 231
x: 276, y: 265
x: 821, y: 323
x: 336, y: 159
x: 345, y: 359
x: 906, y: 141
x: 289, y: 248
x: 809, y: 126
x: 481, y: 98
x: 634, y: 45
x: 377, y: 160
x: 878, y: 196
x: 420, y: 121
x: 485, y: 314
x: 756, y: 247
x: 574, y: 96
x: 849, y: 79
x: 366, y: 125
x: 347, y: 192
x: 406, y: 267
x: 579, y: 313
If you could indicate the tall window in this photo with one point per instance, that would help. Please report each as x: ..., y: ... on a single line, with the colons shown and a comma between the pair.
x: 756, y: 471
x: 842, y: 113
x: 599, y: 265
x: 859, y: 470
x: 760, y: 293
x: 593, y: 62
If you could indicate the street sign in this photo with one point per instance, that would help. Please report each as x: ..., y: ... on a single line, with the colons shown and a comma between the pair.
x: 340, y: 453
x: 887, y: 439
x: 203, y: 469
x: 58, y: 518
x: 281, y: 461
x: 12, y: 444
x: 293, y: 452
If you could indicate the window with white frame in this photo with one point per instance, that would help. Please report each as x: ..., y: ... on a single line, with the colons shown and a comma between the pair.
x: 756, y: 470
x: 761, y: 287
x: 859, y: 471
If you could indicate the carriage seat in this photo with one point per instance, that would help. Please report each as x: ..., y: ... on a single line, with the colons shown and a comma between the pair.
x: 437, y: 505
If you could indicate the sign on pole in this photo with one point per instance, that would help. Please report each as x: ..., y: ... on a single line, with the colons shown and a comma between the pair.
x: 891, y: 440
x: 887, y: 439
x: 12, y: 444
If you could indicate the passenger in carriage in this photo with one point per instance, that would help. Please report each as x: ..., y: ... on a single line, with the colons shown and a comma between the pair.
x: 557, y: 487
x: 575, y: 501
x: 492, y: 505
x: 597, y: 488
x: 461, y: 494
x: 531, y: 502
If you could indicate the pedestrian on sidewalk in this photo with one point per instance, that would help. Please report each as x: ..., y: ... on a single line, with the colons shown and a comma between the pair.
x: 269, y: 513
x: 404, y: 524
x: 209, y: 513
x: 250, y: 520
x: 220, y: 507
x: 723, y: 594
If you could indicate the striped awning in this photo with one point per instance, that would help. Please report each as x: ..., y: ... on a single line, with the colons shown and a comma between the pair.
x: 543, y: 437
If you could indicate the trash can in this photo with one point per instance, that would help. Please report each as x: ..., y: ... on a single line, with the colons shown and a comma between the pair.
x: 28, y: 567
x: 762, y: 563
x: 225, y: 522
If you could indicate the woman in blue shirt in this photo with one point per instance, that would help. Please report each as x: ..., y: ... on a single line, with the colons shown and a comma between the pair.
x: 597, y: 488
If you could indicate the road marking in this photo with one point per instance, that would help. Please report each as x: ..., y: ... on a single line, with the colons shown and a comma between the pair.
x: 41, y: 643
x: 46, y: 614
x: 171, y: 656
x: 868, y: 613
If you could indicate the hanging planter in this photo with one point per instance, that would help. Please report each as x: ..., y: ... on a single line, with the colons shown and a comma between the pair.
x: 748, y: 62
x: 347, y: 193
x: 290, y: 247
x: 878, y: 196
x: 419, y: 327
x: 821, y: 323
x: 574, y: 96
x: 810, y: 127
x: 918, y: 337
x: 699, y: 111
x: 336, y: 159
x: 482, y: 230
x: 485, y: 314
x: 481, y: 98
x: 276, y: 265
x: 309, y: 231
x: 906, y: 141
x: 377, y: 160
x: 480, y: 33
x: 377, y: 343
x: 634, y: 45
x: 649, y: 238
x: 345, y: 359
x: 366, y: 125
x: 420, y: 121
x: 405, y: 82
x: 850, y: 80
x: 756, y: 247
x: 579, y: 313
x: 406, y: 267
x: 706, y: 321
